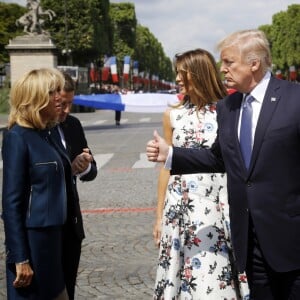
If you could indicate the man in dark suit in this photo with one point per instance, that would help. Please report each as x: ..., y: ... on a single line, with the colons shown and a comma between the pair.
x: 70, y: 135
x: 263, y: 181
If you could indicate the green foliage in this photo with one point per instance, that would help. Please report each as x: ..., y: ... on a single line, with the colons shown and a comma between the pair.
x: 123, y: 22
x: 81, y: 26
x: 284, y: 37
x: 130, y: 38
x: 92, y: 29
x: 149, y: 52
x: 9, y: 13
x: 4, y: 97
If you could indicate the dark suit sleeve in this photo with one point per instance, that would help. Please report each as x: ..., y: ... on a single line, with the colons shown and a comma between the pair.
x: 91, y: 175
x: 76, y: 142
x: 188, y: 161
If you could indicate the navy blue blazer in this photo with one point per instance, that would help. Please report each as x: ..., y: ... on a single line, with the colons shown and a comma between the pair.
x: 33, y: 194
x: 270, y: 190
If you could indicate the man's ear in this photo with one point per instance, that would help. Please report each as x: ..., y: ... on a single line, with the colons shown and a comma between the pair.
x: 255, y: 65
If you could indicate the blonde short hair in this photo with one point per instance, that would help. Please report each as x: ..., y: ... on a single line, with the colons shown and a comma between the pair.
x: 30, y: 94
x: 253, y: 44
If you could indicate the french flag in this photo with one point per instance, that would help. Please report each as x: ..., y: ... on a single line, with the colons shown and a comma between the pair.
x: 126, y: 67
x: 135, y: 71
x: 113, y: 69
x: 105, y: 69
x: 139, y: 103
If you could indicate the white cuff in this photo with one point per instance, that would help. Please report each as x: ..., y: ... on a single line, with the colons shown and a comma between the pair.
x: 85, y: 171
x: 168, y: 163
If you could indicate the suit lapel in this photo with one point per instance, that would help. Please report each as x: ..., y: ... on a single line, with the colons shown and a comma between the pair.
x: 236, y: 102
x: 68, y: 135
x: 270, y: 102
x: 56, y: 141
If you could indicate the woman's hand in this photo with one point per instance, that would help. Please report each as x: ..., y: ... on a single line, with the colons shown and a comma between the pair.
x: 24, y: 275
x: 157, y: 232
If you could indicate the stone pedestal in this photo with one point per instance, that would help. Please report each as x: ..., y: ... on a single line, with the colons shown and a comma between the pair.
x: 30, y: 52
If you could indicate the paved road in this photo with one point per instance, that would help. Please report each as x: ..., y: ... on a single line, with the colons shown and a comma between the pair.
x: 118, y: 255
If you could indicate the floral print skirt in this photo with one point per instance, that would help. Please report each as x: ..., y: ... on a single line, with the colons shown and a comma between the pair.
x: 195, y: 256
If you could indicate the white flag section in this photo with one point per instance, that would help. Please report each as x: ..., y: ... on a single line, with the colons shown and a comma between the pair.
x: 139, y: 103
x: 151, y: 103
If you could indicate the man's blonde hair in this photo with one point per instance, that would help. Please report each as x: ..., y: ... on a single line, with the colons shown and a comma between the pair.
x: 30, y: 94
x: 253, y: 44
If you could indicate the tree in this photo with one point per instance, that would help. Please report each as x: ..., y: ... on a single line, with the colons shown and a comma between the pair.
x: 81, y: 28
x: 123, y: 22
x: 8, y: 30
x: 150, y: 54
x: 130, y: 38
x: 284, y: 37
x: 86, y: 30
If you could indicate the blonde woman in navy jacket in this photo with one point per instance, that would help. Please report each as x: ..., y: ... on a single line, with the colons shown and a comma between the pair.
x: 34, y: 195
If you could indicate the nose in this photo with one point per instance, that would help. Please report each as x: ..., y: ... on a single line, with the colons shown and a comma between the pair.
x: 223, y: 68
x: 178, y: 77
x: 57, y: 96
x: 67, y: 109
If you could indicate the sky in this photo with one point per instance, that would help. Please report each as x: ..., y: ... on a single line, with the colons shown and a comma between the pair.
x: 181, y: 25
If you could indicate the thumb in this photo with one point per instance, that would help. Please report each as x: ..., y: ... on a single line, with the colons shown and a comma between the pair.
x: 156, y: 136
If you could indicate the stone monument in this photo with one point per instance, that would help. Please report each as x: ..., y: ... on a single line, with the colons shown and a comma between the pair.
x: 35, y: 48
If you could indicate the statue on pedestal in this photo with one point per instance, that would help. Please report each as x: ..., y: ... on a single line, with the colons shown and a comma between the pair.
x: 33, y: 20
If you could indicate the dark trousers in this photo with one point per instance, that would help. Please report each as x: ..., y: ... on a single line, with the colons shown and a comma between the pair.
x: 117, y: 116
x: 265, y: 283
x: 45, y: 259
x: 70, y: 258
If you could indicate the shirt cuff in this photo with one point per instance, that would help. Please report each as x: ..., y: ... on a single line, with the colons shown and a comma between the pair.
x: 168, y: 163
x: 23, y: 262
x: 79, y: 175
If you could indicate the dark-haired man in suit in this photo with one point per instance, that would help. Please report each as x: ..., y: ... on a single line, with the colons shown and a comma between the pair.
x: 70, y: 135
x: 258, y: 145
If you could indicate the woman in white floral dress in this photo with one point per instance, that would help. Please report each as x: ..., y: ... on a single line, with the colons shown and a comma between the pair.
x: 191, y: 227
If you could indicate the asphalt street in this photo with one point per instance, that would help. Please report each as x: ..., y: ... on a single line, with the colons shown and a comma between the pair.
x: 118, y: 254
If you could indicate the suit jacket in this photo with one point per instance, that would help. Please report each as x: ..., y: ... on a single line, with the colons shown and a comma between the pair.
x: 270, y: 190
x: 33, y: 194
x: 75, y: 142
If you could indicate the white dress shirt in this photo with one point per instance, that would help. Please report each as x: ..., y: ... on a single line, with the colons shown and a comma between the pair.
x: 258, y: 94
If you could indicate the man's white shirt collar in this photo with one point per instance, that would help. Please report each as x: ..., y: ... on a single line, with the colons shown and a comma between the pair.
x: 260, y: 90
